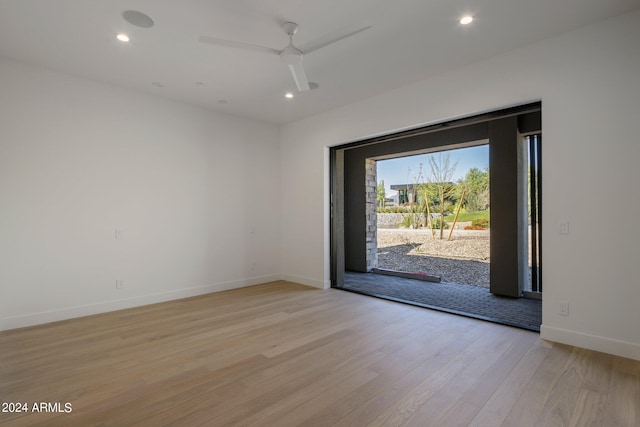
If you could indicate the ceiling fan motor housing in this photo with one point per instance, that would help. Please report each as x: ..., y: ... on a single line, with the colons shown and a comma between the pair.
x: 291, y: 56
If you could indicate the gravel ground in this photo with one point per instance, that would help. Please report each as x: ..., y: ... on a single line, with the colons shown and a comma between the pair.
x: 464, y: 259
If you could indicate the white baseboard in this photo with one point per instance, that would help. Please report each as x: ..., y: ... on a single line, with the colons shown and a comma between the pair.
x: 320, y: 284
x: 592, y: 342
x: 32, y: 319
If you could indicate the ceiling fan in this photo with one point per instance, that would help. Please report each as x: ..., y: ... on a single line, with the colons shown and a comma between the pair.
x: 290, y: 55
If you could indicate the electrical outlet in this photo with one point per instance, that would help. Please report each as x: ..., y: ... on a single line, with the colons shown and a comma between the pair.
x: 119, y: 284
x: 119, y: 233
x: 563, y: 226
x: 563, y: 308
x: 252, y: 266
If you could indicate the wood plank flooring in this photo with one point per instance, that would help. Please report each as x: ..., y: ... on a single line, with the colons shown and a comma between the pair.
x: 282, y: 354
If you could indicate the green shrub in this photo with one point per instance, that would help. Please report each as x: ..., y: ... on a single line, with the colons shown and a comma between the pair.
x: 435, y: 224
x: 480, y: 222
x: 393, y: 209
x: 468, y: 216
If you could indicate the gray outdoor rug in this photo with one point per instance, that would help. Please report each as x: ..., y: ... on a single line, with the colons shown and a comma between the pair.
x: 466, y: 300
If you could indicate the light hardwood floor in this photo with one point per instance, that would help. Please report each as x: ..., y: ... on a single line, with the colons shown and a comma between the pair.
x: 282, y: 354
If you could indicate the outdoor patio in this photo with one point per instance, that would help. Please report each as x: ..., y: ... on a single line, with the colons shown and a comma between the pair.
x: 466, y: 300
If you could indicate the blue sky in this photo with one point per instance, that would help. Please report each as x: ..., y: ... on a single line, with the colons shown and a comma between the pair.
x: 396, y: 171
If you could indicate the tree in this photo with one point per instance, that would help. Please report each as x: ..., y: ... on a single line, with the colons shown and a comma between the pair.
x: 441, y: 174
x: 476, y: 182
x: 380, y: 194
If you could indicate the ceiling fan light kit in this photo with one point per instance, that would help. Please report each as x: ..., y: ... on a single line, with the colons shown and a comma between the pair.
x: 290, y: 55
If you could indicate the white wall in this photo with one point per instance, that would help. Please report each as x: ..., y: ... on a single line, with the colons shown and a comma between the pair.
x: 79, y: 159
x: 589, y: 84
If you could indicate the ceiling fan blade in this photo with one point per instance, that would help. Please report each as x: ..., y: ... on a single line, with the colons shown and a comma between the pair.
x: 240, y: 45
x: 299, y: 76
x: 330, y: 39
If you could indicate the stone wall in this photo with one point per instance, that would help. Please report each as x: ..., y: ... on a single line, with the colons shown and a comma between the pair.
x: 393, y: 220
x: 371, y: 185
x: 389, y: 220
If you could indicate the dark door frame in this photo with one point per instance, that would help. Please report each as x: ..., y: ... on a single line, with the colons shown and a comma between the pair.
x: 503, y: 129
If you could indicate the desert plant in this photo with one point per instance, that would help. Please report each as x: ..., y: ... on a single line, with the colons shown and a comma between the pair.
x: 406, y: 221
x: 380, y: 194
x: 441, y: 173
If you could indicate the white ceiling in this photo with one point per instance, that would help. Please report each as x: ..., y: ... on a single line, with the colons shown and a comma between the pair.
x: 409, y: 40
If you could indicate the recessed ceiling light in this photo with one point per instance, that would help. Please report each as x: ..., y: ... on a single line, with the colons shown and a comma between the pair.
x: 465, y: 20
x: 157, y: 84
x: 122, y: 37
x: 288, y: 95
